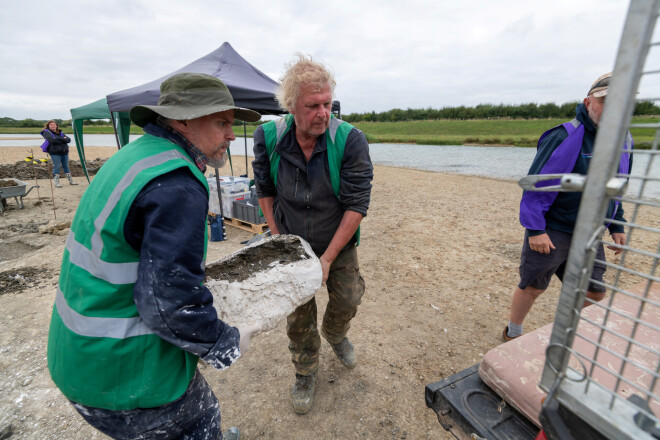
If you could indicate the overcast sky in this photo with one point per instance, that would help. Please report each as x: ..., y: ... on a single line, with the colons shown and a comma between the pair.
x: 58, y: 55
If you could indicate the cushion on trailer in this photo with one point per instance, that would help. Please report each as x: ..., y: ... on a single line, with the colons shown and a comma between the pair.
x: 513, y: 370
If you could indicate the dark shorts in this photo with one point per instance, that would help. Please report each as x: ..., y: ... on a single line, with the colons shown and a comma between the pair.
x: 536, y: 269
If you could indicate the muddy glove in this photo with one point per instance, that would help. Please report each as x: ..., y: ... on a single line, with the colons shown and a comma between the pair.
x: 246, y: 334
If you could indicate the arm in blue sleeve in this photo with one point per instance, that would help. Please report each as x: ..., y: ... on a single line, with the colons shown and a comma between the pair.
x: 544, y: 150
x: 166, y: 223
x: 261, y: 166
x: 48, y: 135
x: 356, y: 174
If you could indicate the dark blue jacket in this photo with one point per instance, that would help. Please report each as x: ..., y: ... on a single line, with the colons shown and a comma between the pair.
x: 563, y: 212
x: 163, y: 224
x: 58, y: 143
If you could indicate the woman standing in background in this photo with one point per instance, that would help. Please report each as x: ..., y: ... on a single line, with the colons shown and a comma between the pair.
x: 58, y: 149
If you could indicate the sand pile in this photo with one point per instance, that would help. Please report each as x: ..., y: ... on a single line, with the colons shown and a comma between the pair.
x: 25, y: 171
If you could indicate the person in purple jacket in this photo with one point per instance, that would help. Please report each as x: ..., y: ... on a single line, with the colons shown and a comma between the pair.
x: 58, y: 149
x: 549, y: 217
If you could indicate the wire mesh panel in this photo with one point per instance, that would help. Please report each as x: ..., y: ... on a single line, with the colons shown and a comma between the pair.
x: 603, y: 361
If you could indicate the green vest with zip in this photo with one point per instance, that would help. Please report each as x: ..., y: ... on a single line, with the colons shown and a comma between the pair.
x: 335, y: 138
x: 100, y: 352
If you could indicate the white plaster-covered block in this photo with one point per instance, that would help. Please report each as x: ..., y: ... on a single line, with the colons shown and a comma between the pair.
x: 264, y: 282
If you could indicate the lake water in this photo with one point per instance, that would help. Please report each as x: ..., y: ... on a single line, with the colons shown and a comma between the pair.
x: 499, y: 162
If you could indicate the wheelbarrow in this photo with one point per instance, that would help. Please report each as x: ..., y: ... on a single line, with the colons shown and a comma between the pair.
x: 13, y: 188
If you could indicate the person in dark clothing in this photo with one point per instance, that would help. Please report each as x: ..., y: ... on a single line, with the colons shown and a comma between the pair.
x: 549, y: 217
x: 132, y: 316
x: 58, y: 149
x: 313, y: 175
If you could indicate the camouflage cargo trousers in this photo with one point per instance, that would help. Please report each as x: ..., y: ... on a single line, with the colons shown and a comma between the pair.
x: 345, y: 289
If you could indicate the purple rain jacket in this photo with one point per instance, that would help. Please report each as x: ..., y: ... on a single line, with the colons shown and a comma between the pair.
x: 566, y: 148
x: 58, y: 143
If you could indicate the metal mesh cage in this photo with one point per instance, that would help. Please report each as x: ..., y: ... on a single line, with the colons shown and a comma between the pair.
x: 605, y: 368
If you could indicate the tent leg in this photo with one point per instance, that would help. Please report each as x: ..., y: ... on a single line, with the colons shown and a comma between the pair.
x: 245, y: 140
x: 114, y: 127
x: 81, y: 150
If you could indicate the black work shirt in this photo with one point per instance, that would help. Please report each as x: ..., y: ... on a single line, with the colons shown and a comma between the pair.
x: 305, y: 203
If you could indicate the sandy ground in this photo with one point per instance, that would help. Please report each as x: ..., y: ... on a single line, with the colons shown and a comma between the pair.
x: 439, y: 255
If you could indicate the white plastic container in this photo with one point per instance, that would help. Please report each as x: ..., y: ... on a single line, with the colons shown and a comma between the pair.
x: 232, y: 188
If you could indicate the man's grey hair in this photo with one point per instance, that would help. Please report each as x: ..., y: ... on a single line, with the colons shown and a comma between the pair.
x: 302, y: 73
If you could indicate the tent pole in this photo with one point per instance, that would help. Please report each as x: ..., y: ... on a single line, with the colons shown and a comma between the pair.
x: 79, y: 146
x: 245, y: 139
x: 114, y: 127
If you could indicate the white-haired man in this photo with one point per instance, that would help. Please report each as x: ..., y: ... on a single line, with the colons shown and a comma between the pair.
x: 313, y: 175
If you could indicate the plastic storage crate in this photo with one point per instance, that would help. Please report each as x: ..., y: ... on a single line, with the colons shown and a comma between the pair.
x: 232, y: 189
x: 248, y: 211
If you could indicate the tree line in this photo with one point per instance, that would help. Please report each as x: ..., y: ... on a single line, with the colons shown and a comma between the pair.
x: 488, y: 111
x: 32, y: 123
x: 481, y: 111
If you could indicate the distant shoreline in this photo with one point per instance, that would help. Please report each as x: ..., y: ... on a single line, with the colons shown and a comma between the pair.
x: 478, y: 132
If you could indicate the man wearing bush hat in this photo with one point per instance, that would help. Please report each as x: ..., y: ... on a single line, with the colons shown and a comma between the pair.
x: 132, y: 316
x: 549, y: 217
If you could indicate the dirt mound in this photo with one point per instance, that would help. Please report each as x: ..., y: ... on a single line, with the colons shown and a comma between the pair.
x: 23, y: 170
x: 17, y: 280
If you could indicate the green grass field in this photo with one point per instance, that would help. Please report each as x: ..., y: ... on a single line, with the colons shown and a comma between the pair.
x: 516, y: 132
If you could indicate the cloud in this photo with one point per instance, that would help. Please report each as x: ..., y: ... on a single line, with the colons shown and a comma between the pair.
x: 385, y: 54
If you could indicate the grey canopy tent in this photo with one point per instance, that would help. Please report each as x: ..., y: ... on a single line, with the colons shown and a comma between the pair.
x: 96, y: 110
x: 250, y: 87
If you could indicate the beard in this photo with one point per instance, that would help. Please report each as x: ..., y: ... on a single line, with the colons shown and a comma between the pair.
x: 218, y: 162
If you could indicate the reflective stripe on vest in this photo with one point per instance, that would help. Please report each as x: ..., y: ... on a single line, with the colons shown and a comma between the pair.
x: 90, y: 260
x: 118, y: 328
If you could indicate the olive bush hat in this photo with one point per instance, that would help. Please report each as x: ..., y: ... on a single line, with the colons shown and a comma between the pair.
x: 188, y: 96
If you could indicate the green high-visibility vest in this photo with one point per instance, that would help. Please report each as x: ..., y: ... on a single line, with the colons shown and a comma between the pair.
x: 100, y: 352
x: 335, y: 137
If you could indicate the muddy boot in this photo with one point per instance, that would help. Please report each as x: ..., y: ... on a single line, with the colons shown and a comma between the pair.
x: 71, y: 182
x: 56, y: 178
x: 231, y: 434
x: 345, y: 352
x: 302, y: 394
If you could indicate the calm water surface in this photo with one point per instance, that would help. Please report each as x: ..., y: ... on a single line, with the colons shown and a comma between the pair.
x: 499, y: 162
